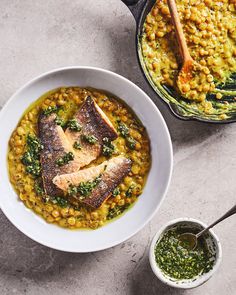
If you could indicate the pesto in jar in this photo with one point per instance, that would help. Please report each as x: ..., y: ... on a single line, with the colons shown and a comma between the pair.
x: 177, y: 261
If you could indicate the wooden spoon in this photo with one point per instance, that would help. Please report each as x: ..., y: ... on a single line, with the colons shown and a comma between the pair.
x: 185, y: 73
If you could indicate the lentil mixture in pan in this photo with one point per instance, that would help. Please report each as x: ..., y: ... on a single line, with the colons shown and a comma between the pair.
x: 210, y: 31
x: 130, y: 148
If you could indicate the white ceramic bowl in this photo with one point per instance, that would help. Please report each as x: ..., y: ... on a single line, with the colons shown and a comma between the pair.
x: 157, y: 184
x: 212, y: 242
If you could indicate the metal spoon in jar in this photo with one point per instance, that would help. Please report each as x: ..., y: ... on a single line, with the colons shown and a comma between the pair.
x: 191, y: 239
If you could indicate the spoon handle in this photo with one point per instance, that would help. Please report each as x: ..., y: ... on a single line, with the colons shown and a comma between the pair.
x: 226, y: 215
x: 179, y: 31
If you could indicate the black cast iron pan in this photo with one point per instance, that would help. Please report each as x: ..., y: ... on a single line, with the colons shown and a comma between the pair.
x: 179, y: 107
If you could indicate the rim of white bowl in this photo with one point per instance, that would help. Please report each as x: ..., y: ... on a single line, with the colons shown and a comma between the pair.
x: 196, y: 281
x: 117, y: 242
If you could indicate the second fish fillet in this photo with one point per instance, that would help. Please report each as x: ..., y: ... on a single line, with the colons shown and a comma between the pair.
x: 110, y: 173
x: 94, y: 124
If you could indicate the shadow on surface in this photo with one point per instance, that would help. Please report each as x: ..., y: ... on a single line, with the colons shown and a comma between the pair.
x: 21, y: 257
x: 145, y: 282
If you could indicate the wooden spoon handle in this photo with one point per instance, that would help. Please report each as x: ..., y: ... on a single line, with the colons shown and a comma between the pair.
x: 179, y: 31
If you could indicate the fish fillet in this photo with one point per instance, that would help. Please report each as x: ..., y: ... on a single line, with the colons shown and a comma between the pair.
x: 93, y: 122
x: 111, y: 172
x: 57, y: 143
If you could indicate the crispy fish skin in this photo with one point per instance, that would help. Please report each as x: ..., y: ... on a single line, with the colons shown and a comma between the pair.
x: 93, y: 122
x: 112, y: 173
x: 109, y: 181
x: 65, y: 180
x: 55, y: 145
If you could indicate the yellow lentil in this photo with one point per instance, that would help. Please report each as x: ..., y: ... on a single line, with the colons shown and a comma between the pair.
x: 69, y: 217
x: 210, y: 31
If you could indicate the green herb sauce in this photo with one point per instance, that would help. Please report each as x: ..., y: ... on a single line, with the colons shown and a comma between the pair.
x: 129, y: 191
x: 51, y: 110
x: 65, y: 159
x: 60, y: 201
x: 116, y: 192
x: 59, y: 121
x: 131, y: 142
x: 77, y: 145
x: 39, y: 189
x: 84, y: 189
x: 116, y: 211
x: 107, y: 148
x: 74, y: 125
x: 91, y: 139
x: 123, y: 129
x: 124, y: 132
x: 178, y: 262
x: 31, y: 157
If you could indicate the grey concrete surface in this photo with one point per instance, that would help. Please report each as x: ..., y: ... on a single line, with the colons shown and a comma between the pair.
x: 40, y: 35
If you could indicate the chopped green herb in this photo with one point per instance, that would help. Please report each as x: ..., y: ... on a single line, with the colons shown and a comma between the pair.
x: 31, y: 157
x: 124, y: 132
x: 38, y: 188
x: 107, y: 151
x: 116, y: 192
x: 60, y: 122
x: 130, y: 191
x: 34, y: 169
x: 84, y: 189
x: 91, y: 139
x: 27, y: 158
x: 74, y: 125
x: 77, y: 145
x: 107, y: 148
x: 72, y: 190
x: 131, y: 142
x: 34, y: 144
x: 65, y: 159
x: 62, y: 202
x: 116, y: 211
x: 123, y: 129
x: 177, y: 260
x: 51, y: 110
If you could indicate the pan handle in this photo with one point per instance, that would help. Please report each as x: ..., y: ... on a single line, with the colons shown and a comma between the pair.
x: 135, y: 6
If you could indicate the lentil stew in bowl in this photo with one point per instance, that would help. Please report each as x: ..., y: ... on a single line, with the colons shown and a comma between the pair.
x: 210, y: 32
x: 26, y: 164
